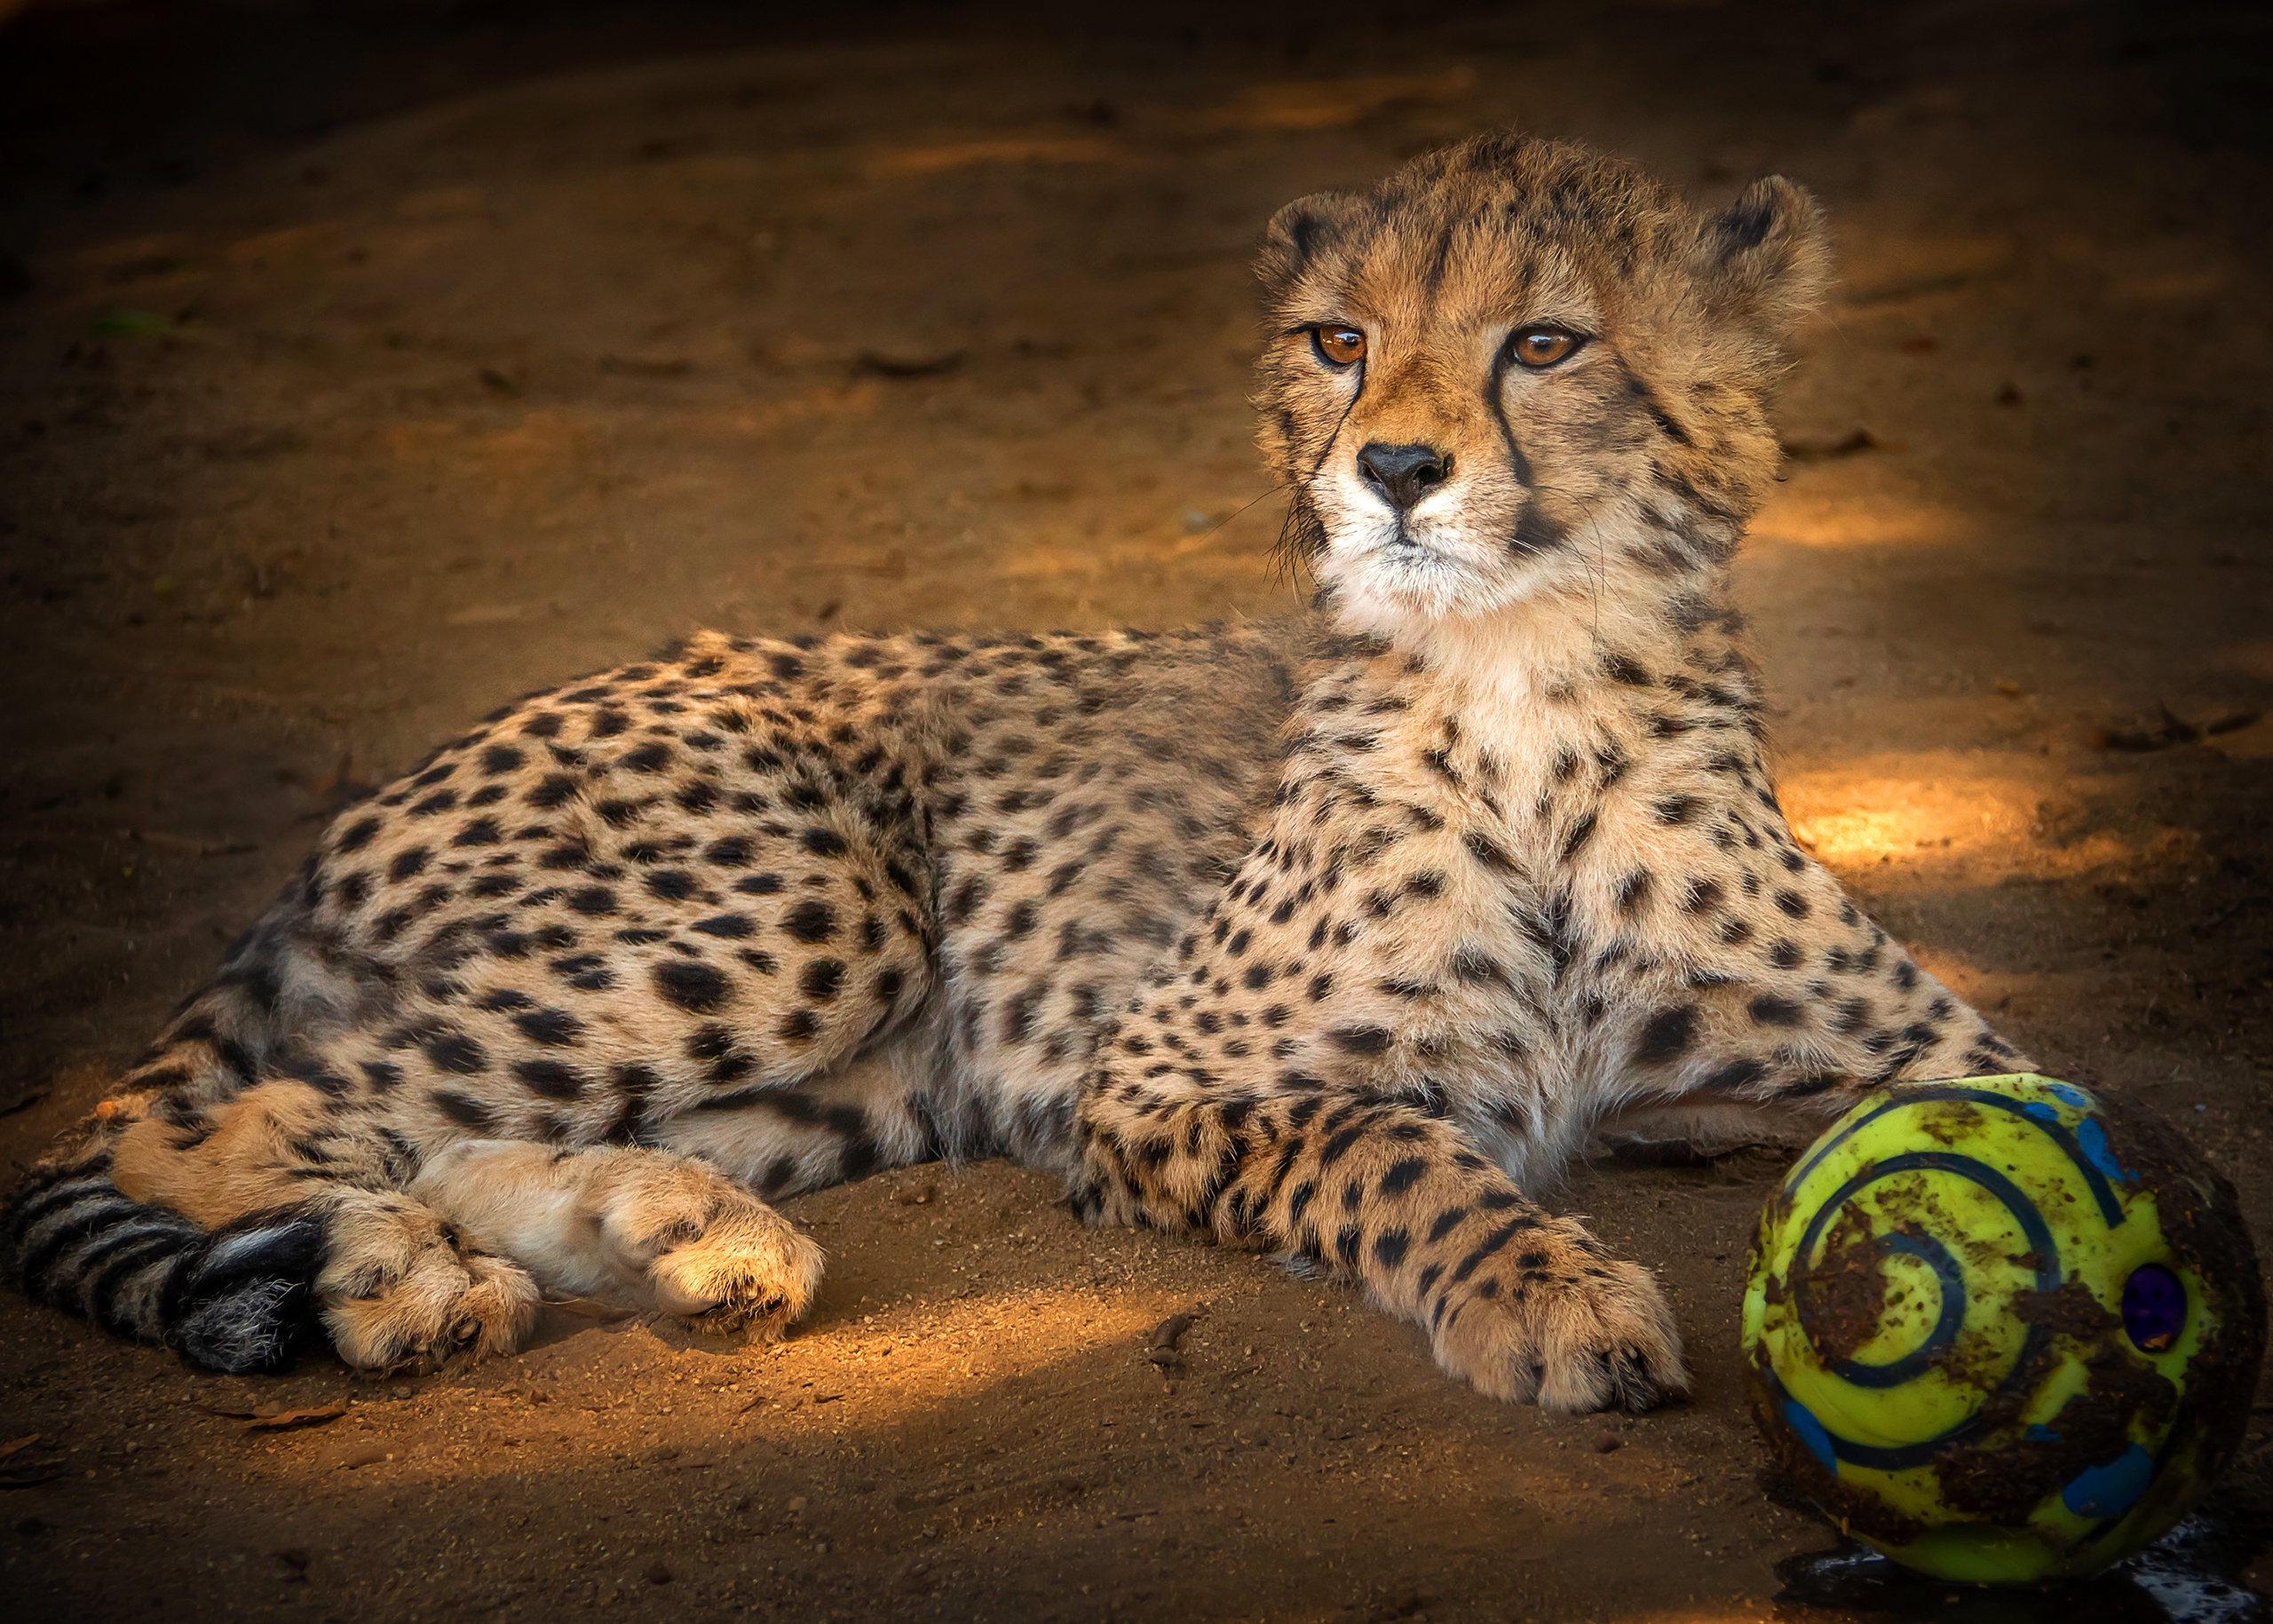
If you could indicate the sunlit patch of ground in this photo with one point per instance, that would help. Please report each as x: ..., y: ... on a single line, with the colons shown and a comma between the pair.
x: 1938, y: 818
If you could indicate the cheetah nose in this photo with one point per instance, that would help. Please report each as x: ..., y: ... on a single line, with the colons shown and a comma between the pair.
x: 1404, y: 474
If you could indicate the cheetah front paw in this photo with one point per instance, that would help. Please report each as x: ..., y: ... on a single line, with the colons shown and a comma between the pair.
x: 748, y: 1270
x: 1550, y: 1319
x: 400, y: 1291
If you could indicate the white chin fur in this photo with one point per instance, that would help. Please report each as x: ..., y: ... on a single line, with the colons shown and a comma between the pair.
x: 1384, y: 586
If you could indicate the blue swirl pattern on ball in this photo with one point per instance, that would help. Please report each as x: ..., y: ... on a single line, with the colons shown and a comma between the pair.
x: 2096, y: 1169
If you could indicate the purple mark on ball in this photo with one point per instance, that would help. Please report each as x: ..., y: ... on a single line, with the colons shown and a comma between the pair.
x: 2154, y: 1308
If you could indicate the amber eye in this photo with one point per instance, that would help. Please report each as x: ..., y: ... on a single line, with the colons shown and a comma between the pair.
x: 1542, y: 346
x: 1338, y: 344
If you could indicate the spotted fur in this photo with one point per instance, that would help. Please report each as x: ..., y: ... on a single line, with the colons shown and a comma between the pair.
x: 1325, y: 936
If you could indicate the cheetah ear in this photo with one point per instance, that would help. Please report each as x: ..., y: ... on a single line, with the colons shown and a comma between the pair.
x: 1767, y: 256
x: 1296, y: 234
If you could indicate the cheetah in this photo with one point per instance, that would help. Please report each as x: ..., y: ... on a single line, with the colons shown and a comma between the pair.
x: 1328, y: 936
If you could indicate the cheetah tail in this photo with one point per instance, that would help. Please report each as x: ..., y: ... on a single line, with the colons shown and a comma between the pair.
x: 236, y: 1299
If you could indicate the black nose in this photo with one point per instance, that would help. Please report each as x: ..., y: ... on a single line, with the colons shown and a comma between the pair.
x: 1404, y: 473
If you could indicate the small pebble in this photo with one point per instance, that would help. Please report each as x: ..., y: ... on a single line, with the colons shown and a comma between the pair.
x: 1604, y: 1442
x: 658, y: 1574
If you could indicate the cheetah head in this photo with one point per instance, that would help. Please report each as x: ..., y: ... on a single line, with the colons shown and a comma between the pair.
x: 1517, y: 369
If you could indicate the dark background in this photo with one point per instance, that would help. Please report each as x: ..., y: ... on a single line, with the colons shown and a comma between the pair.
x: 364, y: 365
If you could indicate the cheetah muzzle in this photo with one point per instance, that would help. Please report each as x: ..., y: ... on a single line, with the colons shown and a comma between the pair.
x: 1325, y: 936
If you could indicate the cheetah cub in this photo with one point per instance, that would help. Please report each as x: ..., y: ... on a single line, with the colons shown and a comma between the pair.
x: 1323, y: 937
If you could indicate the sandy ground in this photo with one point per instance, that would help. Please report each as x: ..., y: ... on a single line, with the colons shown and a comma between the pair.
x: 362, y: 365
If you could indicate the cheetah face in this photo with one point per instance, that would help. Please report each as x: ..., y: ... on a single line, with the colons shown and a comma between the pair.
x: 1517, y: 369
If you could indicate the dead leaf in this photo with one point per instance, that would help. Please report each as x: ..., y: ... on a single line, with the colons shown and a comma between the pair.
x: 341, y: 789
x: 2175, y: 730
x: 16, y: 1444
x: 1160, y: 1346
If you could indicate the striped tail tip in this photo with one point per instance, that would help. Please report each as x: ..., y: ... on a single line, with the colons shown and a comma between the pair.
x: 236, y: 1300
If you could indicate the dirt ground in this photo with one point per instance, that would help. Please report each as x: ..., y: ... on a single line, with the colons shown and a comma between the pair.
x: 364, y: 365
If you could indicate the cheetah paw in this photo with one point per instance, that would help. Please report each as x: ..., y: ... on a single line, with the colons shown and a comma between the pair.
x: 400, y: 1292
x: 749, y: 1269
x: 1558, y: 1324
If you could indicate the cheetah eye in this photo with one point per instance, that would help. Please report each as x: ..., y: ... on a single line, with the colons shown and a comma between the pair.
x: 1542, y: 346
x: 1337, y: 344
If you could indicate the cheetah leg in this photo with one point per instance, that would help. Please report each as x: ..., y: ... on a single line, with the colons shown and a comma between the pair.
x: 630, y: 1224
x: 1519, y: 1304
x: 392, y: 1283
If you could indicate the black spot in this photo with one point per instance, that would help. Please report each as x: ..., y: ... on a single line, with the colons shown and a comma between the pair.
x: 731, y: 853
x: 500, y: 758
x: 549, y: 1078
x: 463, y: 1110
x: 357, y: 835
x: 1736, y: 1074
x: 454, y: 1052
x: 652, y: 757
x: 1536, y: 530
x: 758, y: 884
x: 811, y: 922
x: 823, y: 842
x: 1403, y: 1176
x: 671, y: 885
x: 592, y: 900
x: 556, y: 1028
x: 480, y: 832
x: 819, y: 979
x: 1667, y: 1036
x: 1771, y: 1011
x: 551, y: 790
x: 1361, y: 1039
x: 407, y: 863
x: 800, y: 1025
x: 694, y: 986
x: 1488, y: 852
x: 731, y: 927
x: 1389, y: 1247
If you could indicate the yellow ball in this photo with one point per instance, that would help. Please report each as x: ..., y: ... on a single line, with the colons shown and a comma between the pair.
x: 2002, y: 1328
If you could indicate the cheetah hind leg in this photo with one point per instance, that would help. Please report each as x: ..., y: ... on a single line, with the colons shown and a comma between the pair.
x: 393, y: 1282
x: 645, y: 1227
